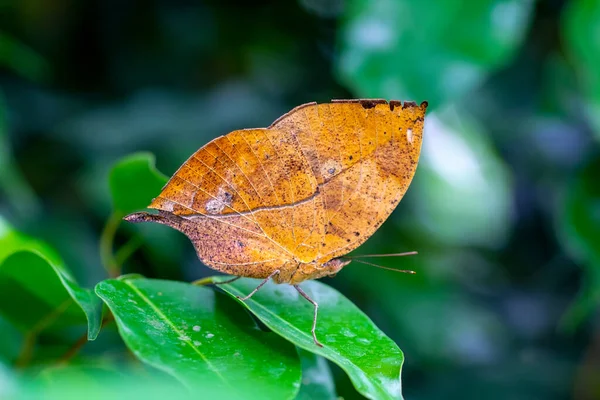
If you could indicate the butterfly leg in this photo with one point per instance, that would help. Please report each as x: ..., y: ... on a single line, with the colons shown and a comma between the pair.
x: 259, y: 286
x: 314, y: 303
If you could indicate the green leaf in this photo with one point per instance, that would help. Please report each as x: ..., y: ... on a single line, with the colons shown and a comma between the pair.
x: 317, y: 381
x: 134, y: 182
x: 407, y: 49
x: 444, y: 304
x: 33, y: 277
x: 99, y: 382
x: 582, y: 214
x: 202, y: 338
x: 581, y: 22
x: 350, y: 339
x: 579, y: 227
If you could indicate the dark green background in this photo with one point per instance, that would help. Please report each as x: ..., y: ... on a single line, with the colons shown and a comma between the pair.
x: 504, y: 208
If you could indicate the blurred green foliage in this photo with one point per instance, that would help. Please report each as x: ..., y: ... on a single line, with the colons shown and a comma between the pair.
x: 133, y: 181
x: 580, y: 22
x: 503, y: 209
x: 438, y: 53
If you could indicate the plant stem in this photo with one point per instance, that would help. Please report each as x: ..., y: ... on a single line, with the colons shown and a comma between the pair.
x: 26, y: 350
x: 83, y: 339
x: 106, y: 245
x: 125, y: 251
x: 31, y: 337
x: 204, y: 281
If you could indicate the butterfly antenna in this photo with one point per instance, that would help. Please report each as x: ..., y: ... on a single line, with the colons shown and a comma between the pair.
x: 406, y: 271
x: 408, y: 253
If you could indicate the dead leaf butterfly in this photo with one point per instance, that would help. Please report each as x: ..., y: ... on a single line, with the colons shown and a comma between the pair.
x: 288, y: 201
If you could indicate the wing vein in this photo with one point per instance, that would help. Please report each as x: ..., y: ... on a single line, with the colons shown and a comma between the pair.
x: 312, y: 134
x: 250, y: 210
x: 262, y: 167
x: 239, y: 168
x: 290, y: 186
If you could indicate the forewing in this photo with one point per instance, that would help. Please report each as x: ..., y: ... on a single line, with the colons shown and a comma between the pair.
x: 363, y: 154
x: 257, y: 178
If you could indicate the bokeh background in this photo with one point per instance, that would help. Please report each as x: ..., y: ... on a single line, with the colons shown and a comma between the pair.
x: 504, y: 208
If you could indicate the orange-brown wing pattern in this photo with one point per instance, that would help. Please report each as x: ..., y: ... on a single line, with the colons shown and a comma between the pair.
x: 363, y: 154
x: 240, y: 172
x: 257, y: 178
x: 230, y: 244
x: 312, y: 187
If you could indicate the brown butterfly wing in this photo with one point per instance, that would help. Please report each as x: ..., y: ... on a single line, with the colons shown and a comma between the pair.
x: 363, y: 154
x: 248, y: 201
x: 311, y: 187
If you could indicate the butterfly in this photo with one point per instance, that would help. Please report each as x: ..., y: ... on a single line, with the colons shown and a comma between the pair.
x: 287, y: 202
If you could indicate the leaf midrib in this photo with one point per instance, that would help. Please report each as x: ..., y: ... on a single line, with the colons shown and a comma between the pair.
x: 178, y: 331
